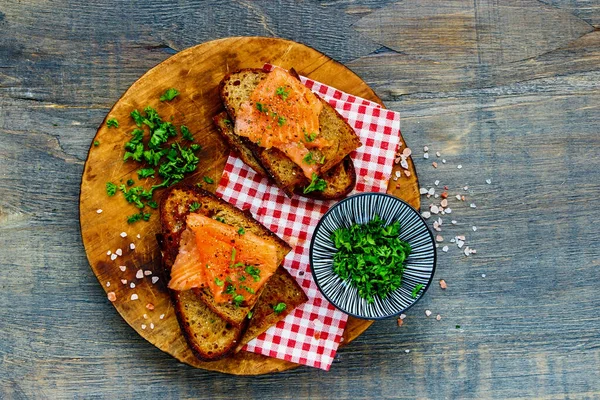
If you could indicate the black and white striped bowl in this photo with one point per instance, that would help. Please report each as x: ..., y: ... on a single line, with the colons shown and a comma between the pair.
x: 361, y: 208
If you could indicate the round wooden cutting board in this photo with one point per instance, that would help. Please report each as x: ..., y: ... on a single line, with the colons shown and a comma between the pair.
x: 196, y: 73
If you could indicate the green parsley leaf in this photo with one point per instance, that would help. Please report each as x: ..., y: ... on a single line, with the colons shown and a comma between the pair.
x: 229, y: 289
x: 316, y: 184
x: 250, y: 314
x: 208, y: 179
x: 152, y: 204
x: 134, y: 218
x: 96, y: 143
x: 111, y: 188
x: 169, y: 95
x: 311, y: 137
x: 260, y: 107
x: 220, y: 219
x: 247, y: 289
x: 185, y: 132
x: 195, y: 206
x: 279, y: 308
x: 233, y: 254
x: 416, y: 290
x: 253, y: 272
x: 238, y: 299
x: 241, y: 231
x: 308, y: 158
x: 219, y: 282
x: 145, y: 173
x: 370, y: 257
x: 281, y: 121
x: 130, y: 182
x: 137, y: 117
x: 112, y: 123
x: 281, y: 92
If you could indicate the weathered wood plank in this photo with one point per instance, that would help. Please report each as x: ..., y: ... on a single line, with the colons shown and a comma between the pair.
x: 466, y: 32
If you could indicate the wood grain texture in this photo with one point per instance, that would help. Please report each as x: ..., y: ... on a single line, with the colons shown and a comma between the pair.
x: 197, y: 73
x: 529, y: 329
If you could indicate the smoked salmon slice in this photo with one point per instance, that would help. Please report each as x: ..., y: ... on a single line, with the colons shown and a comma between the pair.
x: 216, y: 255
x: 283, y: 113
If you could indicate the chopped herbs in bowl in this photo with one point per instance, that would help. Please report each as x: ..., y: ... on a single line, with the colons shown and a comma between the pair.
x: 372, y: 256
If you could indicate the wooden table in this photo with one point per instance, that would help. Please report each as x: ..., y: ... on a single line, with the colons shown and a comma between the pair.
x: 507, y: 90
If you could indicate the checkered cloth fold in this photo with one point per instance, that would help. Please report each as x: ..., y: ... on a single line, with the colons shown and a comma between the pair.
x: 311, y: 334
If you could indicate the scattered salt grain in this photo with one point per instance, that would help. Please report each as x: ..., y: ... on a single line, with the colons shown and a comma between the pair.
x: 397, y: 173
x: 438, y: 317
x: 461, y: 237
x: 124, y: 281
x: 113, y: 257
x: 145, y: 316
x: 448, y: 210
x: 150, y: 306
x: 111, y: 296
x: 123, y: 234
x: 154, y: 279
x: 436, y: 183
x: 147, y: 272
x: 437, y: 153
x: 474, y: 228
x: 423, y: 191
x: 458, y: 197
x: 426, y: 214
x: 407, y: 351
x: 99, y: 211
x: 483, y: 275
x: 488, y: 181
x: 119, y: 252
x: 161, y: 316
x: 407, y: 173
x: 434, y: 209
x: 139, y: 274
x: 425, y: 148
x: 443, y: 161
x: 460, y: 243
x: 453, y: 222
x: 467, y: 251
x: 122, y: 268
x: 402, y: 316
x: 436, y: 196
x: 134, y: 297
x: 426, y: 155
x: 404, y: 164
x: 406, y: 152
x: 473, y: 205
x: 427, y: 312
x: 434, y: 164
x: 439, y: 238
x: 108, y: 253
x: 132, y: 285
x: 431, y: 191
x: 465, y: 188
x: 107, y: 284
x: 444, y: 203
x: 138, y: 236
x: 459, y: 166
x: 143, y: 326
x: 443, y: 284
x: 445, y: 249
x: 151, y: 325
x: 132, y: 246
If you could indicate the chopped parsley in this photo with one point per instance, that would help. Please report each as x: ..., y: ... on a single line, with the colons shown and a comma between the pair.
x: 308, y: 158
x: 281, y: 92
x: 218, y: 282
x: 137, y: 118
x: 311, y: 137
x: 371, y: 257
x: 416, y: 290
x: 260, y: 107
x: 279, y: 308
x: 145, y: 173
x: 152, y: 204
x: 111, y: 188
x: 96, y: 143
x: 195, y: 206
x: 112, y: 123
x: 238, y: 299
x: 253, y: 272
x: 250, y: 314
x: 241, y: 231
x: 185, y: 133
x: 233, y: 254
x: 208, y: 179
x: 247, y: 289
x: 316, y: 184
x: 229, y: 289
x: 130, y: 182
x: 169, y: 95
x: 220, y: 219
x: 281, y: 121
x: 137, y: 217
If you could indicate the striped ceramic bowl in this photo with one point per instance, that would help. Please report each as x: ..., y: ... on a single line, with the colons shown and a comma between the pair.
x: 420, y: 264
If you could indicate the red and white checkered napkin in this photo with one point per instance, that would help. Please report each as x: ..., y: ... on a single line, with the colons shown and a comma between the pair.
x: 310, y: 335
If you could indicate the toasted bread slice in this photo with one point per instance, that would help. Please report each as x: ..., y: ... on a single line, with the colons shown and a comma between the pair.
x: 237, y: 87
x: 281, y: 288
x: 340, y: 179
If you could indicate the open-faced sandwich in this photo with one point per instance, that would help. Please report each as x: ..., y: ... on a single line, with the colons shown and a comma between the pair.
x: 224, y: 270
x: 287, y: 133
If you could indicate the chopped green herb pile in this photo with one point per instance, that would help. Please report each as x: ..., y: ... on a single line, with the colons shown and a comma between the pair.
x: 279, y: 308
x: 316, y: 184
x: 148, y: 146
x: 371, y: 257
x: 169, y: 95
x: 208, y: 179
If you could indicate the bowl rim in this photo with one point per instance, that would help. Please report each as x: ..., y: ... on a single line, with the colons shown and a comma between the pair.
x: 351, y: 198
